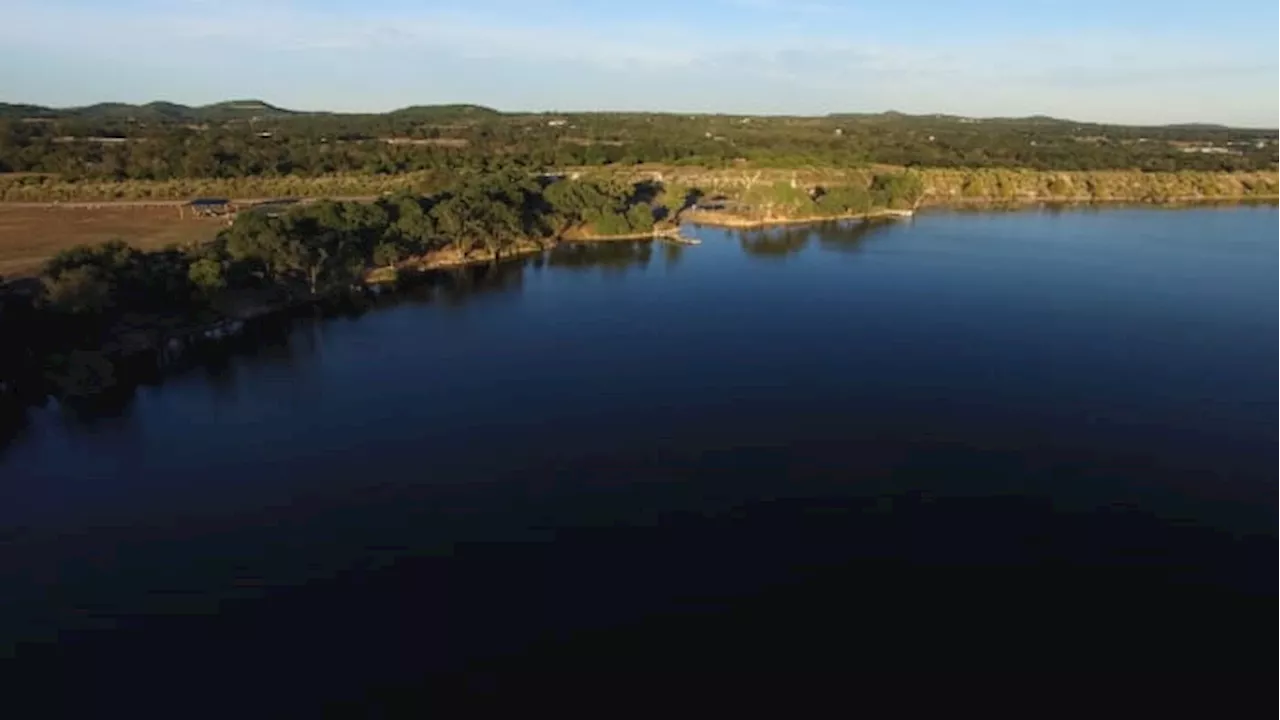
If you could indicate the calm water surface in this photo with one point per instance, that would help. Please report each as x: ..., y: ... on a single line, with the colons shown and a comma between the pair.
x: 1038, y: 433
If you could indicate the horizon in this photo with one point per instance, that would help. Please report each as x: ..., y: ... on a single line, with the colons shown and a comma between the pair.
x: 607, y: 111
x: 994, y: 59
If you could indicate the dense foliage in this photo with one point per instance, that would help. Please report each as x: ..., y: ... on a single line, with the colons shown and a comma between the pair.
x: 107, y: 299
x: 102, y: 301
x: 309, y: 247
x: 162, y: 141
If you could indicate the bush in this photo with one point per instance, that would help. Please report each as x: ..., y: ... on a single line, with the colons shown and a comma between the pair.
x: 609, y: 223
x: 640, y: 218
x: 79, y: 290
x: 843, y: 200
x: 206, y: 274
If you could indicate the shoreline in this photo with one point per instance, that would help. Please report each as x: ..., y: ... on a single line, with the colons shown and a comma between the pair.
x: 926, y: 203
x: 724, y: 220
x: 1076, y: 200
x: 157, y: 350
x: 575, y: 236
x: 449, y: 259
x: 746, y: 223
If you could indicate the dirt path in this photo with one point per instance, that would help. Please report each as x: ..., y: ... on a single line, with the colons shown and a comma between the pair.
x: 100, y: 204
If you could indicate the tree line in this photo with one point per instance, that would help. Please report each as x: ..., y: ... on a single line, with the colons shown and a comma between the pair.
x: 155, y: 145
x: 112, y: 298
x: 309, y: 247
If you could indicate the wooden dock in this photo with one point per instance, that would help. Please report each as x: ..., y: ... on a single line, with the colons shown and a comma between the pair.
x: 674, y: 237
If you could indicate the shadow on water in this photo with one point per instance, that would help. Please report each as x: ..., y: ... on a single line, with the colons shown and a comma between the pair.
x: 851, y: 237
x: 781, y: 242
x: 14, y: 424
x: 774, y: 243
x: 287, y: 338
x: 890, y: 552
x: 610, y: 256
x: 884, y: 584
x: 672, y: 254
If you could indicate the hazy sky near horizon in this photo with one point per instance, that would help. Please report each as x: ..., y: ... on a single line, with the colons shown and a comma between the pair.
x: 1129, y: 61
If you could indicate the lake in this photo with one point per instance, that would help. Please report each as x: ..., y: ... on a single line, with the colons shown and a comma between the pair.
x: 1038, y: 439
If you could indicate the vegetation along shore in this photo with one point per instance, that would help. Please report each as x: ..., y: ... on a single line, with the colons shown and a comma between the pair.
x: 336, y: 206
x: 95, y: 306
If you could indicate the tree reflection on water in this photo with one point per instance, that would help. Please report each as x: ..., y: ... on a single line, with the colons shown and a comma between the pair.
x: 289, y: 337
x: 781, y: 242
x: 774, y: 242
x: 612, y: 255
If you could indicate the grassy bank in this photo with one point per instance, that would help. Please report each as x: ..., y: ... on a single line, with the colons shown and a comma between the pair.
x: 748, y: 221
x: 452, y: 257
x: 1014, y: 185
x: 27, y: 188
x: 64, y: 214
x: 939, y: 185
x: 584, y: 234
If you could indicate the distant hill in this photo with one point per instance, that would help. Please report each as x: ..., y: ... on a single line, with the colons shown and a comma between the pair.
x: 245, y: 109
x: 225, y: 111
x: 1196, y: 126
x: 12, y: 110
x: 895, y: 116
x: 446, y: 112
x: 166, y: 109
x: 124, y: 111
x: 241, y: 109
x: 153, y: 111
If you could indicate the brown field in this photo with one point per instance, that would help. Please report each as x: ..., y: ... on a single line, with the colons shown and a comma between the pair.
x: 30, y: 234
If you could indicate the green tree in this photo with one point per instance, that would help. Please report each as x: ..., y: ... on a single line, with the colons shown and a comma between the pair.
x: 844, y: 200
x: 387, y: 253
x: 257, y: 238
x: 322, y: 259
x: 897, y: 190
x: 414, y: 224
x: 640, y: 217
x: 82, y: 373
x: 207, y: 275
x: 79, y: 290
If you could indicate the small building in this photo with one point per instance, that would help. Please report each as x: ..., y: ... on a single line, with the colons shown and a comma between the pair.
x: 210, y: 207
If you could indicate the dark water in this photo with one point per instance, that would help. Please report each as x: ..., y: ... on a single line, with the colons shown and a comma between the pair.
x: 1029, y: 440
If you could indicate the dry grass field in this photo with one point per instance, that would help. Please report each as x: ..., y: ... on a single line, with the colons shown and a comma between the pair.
x: 31, y: 234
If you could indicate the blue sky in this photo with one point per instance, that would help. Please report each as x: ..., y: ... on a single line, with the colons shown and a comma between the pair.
x: 1131, y: 61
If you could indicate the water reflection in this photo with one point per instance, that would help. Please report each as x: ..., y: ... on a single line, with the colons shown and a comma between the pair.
x: 672, y: 254
x: 613, y: 256
x: 774, y: 242
x: 14, y: 423
x: 781, y: 242
x: 459, y: 285
x: 851, y: 237
x: 584, y: 450
x: 287, y: 341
